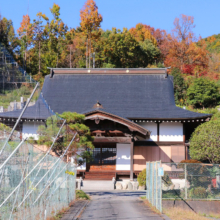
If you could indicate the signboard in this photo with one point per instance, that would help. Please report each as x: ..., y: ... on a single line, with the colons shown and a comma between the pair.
x: 160, y: 171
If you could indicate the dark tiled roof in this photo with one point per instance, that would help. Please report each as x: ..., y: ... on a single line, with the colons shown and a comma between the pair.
x: 38, y: 111
x: 142, y: 96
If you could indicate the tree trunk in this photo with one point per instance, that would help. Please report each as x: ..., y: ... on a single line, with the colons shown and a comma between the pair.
x: 39, y: 57
x: 70, y: 57
x: 87, y: 52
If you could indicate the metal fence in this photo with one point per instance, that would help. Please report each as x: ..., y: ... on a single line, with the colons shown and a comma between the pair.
x: 195, y: 181
x: 33, y: 185
x: 153, y: 184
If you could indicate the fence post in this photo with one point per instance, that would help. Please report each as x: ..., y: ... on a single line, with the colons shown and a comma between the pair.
x: 185, y: 182
x: 161, y: 208
x: 156, y: 184
x: 152, y: 171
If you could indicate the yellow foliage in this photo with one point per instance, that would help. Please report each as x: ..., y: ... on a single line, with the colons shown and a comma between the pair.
x: 142, y: 33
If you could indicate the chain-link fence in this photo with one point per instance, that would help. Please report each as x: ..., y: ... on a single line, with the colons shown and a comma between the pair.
x: 195, y: 181
x: 36, y: 179
x: 33, y: 185
x: 153, y: 184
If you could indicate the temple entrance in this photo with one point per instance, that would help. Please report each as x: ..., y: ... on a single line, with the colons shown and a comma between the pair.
x: 104, y: 157
x: 114, y: 143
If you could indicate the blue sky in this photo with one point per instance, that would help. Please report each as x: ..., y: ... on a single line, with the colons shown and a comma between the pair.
x: 124, y: 13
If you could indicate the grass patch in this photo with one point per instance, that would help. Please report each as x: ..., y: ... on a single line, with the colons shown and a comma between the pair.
x: 59, y: 215
x: 212, y: 215
x: 81, y: 195
x: 183, y: 214
x: 143, y: 197
x: 152, y: 207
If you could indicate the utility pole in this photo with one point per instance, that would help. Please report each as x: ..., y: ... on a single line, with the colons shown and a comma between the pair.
x: 93, y: 55
x: 70, y: 58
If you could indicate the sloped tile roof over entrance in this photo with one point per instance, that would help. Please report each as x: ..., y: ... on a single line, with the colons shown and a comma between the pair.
x: 141, y: 94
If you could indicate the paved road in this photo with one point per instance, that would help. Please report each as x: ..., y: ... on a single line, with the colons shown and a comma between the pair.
x: 118, y: 205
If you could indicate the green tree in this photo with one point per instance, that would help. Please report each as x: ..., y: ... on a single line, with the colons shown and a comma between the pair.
x: 74, y: 123
x: 119, y: 49
x: 7, y: 34
x: 180, y: 87
x: 203, y: 93
x: 205, y: 141
x: 151, y: 51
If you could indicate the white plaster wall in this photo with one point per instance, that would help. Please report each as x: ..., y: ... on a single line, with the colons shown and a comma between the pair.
x: 150, y: 126
x: 30, y: 129
x: 171, y: 131
x: 123, y: 157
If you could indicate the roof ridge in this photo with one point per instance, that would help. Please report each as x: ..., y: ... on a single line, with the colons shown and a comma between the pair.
x: 111, y: 71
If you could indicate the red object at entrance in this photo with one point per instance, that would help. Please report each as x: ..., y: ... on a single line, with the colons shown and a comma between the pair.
x: 214, y: 183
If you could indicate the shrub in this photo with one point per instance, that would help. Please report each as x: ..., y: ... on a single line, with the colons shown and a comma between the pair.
x: 198, y: 192
x: 166, y: 179
x: 174, y: 193
x: 142, y: 178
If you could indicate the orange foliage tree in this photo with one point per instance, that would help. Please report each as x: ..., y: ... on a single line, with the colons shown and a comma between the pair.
x: 25, y: 33
x: 142, y: 32
x: 90, y: 23
x: 182, y: 51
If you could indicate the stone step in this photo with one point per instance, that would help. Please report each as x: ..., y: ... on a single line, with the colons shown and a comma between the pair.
x: 99, y: 185
x: 99, y: 175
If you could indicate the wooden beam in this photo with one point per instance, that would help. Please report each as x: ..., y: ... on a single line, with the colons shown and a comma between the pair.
x: 132, y: 160
x: 160, y: 143
x: 112, y: 140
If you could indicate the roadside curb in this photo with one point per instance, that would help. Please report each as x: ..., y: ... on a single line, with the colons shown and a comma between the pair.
x: 165, y: 217
x: 76, y: 217
x: 75, y: 210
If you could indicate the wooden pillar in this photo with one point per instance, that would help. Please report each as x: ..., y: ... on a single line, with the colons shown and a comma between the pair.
x: 132, y: 160
x: 186, y: 152
x: 184, y: 135
x: 184, y: 141
x: 158, y: 131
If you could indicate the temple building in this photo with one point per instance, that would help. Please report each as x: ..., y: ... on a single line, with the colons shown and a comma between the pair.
x: 131, y: 114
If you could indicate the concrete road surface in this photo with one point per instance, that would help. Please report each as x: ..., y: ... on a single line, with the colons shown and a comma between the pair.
x: 118, y: 205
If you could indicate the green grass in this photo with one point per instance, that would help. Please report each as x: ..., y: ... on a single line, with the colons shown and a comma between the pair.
x: 16, y: 94
x: 81, y: 195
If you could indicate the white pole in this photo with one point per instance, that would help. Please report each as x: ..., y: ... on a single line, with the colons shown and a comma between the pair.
x: 185, y: 182
x: 156, y: 184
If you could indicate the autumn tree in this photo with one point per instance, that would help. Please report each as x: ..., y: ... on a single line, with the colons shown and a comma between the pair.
x: 183, y: 52
x: 142, y: 32
x: 25, y: 33
x: 90, y: 23
x: 183, y: 28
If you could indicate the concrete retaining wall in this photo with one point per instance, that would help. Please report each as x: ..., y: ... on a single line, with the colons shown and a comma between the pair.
x: 200, y: 206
